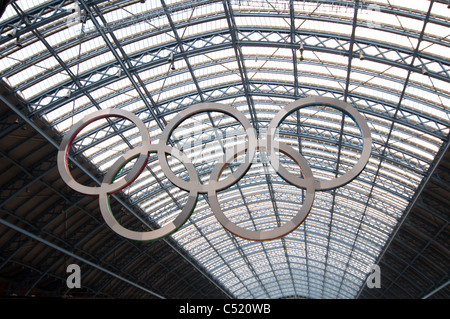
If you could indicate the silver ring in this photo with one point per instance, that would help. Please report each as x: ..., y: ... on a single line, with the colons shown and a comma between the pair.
x: 288, y: 227
x: 63, y: 153
x: 165, y: 230
x: 344, y: 107
x: 213, y: 184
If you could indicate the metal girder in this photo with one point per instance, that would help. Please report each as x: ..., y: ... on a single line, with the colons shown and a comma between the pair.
x: 73, y: 77
x: 431, y: 293
x: 366, y: 110
x: 64, y: 100
x: 181, y: 48
x: 346, y: 90
x: 356, y: 199
x: 328, y: 35
x: 318, y: 49
x: 233, y: 31
x: 277, y: 84
x: 144, y: 95
x: 312, y: 257
x: 312, y: 284
x: 280, y: 84
x: 33, y: 236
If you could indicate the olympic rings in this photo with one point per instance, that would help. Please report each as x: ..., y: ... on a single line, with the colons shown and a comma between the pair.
x: 194, y: 186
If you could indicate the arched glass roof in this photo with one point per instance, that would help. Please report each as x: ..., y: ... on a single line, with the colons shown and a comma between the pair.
x: 389, y: 59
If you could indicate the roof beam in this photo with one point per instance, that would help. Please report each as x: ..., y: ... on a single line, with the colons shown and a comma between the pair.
x: 350, y: 50
x: 240, y: 60
x: 181, y: 48
x: 431, y: 293
x: 145, y: 97
x: 66, y: 252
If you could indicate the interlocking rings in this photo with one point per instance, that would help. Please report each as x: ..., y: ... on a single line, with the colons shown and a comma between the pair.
x: 194, y: 186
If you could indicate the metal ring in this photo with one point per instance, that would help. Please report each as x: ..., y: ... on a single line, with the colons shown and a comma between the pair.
x: 213, y: 184
x: 164, y: 231
x: 193, y: 186
x: 288, y: 227
x: 63, y: 153
x: 344, y: 107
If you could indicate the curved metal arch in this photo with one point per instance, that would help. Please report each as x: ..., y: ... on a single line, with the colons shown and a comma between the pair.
x: 373, y: 99
x: 273, y: 94
x: 349, y: 21
x: 342, y: 52
x: 299, y: 257
x: 55, y: 6
x: 280, y: 95
x: 264, y: 44
x: 340, y: 195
